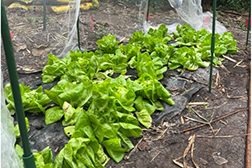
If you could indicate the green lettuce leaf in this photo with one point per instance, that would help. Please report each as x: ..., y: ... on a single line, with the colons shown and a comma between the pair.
x: 114, y: 149
x: 34, y: 101
x: 144, y: 118
x: 108, y: 44
x: 81, y: 152
x: 53, y: 115
x: 77, y: 94
x: 54, y: 68
x: 16, y: 128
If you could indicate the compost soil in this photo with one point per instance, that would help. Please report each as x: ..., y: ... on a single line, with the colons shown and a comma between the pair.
x: 204, y: 129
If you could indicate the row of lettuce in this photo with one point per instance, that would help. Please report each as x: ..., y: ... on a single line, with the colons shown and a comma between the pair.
x: 100, y: 105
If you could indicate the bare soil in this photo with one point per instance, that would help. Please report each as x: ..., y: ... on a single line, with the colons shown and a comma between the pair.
x: 220, y: 143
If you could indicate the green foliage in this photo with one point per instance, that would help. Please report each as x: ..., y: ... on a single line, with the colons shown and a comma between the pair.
x: 44, y: 158
x: 53, y: 114
x: 55, y: 67
x: 100, y: 111
x: 76, y: 93
x: 81, y: 152
x: 16, y: 128
x: 108, y: 44
x: 34, y: 101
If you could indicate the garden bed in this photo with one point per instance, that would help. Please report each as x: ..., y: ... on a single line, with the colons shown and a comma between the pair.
x: 221, y: 142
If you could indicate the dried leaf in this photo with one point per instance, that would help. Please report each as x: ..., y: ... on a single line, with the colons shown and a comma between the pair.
x: 191, y: 141
x: 20, y: 47
x: 39, y: 52
x: 175, y: 161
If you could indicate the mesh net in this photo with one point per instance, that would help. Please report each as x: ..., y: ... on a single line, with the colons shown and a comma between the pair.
x: 179, y: 12
x: 8, y: 154
x: 42, y: 27
x: 49, y: 26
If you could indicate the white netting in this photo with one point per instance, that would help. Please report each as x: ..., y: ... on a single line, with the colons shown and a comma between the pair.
x: 9, y: 158
x: 72, y: 41
x: 33, y: 36
x: 189, y: 12
x: 97, y: 18
x: 32, y: 43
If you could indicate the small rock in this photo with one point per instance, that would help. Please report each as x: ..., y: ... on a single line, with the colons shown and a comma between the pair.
x: 218, y: 159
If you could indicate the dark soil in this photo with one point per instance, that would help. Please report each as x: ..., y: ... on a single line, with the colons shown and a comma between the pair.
x: 219, y: 144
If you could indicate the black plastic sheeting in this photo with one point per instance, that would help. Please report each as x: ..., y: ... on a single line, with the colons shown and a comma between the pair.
x: 182, y: 85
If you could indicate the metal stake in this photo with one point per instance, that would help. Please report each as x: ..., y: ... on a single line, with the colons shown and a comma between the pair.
x: 148, y: 11
x: 44, y: 14
x: 212, y: 46
x: 78, y: 32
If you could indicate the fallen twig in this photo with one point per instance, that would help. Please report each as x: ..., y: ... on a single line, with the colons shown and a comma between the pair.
x: 233, y: 13
x: 217, y: 80
x: 200, y: 116
x: 133, y: 150
x: 155, y: 156
x: 230, y: 59
x: 161, y: 135
x: 216, y: 107
x: 216, y: 131
x: 223, y: 122
x: 198, y: 103
x: 203, y: 120
x: 220, y: 136
x: 195, y: 120
x: 175, y: 161
x: 122, y: 39
x: 189, y: 148
x: 223, y: 67
x: 235, y: 97
x: 192, y: 156
x: 182, y: 120
x: 215, y: 120
x: 238, y: 63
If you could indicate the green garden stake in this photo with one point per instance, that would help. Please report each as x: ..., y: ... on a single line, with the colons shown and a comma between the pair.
x: 148, y: 11
x: 28, y: 157
x: 249, y: 22
x: 212, y: 46
x: 44, y: 15
x: 78, y: 32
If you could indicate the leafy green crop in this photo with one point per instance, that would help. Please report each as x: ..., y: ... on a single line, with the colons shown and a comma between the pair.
x: 102, y: 112
x: 81, y: 152
x: 188, y: 58
x: 108, y: 44
x: 43, y: 159
x: 33, y: 100
x: 16, y: 128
